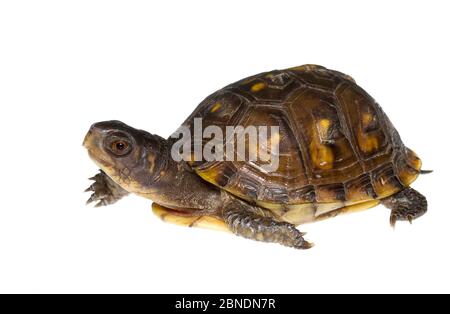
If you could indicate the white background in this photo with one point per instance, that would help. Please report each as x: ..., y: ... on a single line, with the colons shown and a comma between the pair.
x: 67, y: 64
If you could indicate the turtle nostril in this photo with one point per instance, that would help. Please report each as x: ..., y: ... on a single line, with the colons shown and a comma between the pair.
x: 89, y: 138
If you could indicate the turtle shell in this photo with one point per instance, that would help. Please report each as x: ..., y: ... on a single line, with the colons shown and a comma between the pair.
x: 336, y: 145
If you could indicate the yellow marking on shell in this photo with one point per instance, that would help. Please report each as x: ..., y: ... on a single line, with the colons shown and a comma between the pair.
x: 323, y: 126
x: 367, y: 143
x: 417, y: 163
x: 385, y: 188
x: 321, y: 155
x: 408, y: 175
x: 211, y: 175
x: 207, y: 222
x: 367, y: 118
x: 358, y: 193
x: 258, y: 86
x: 413, y: 160
x: 216, y: 107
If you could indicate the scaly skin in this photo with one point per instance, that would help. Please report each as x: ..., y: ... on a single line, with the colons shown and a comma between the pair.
x: 251, y: 223
x: 406, y: 205
x: 105, y: 190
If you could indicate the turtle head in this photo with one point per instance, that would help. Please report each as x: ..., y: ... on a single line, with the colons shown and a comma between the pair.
x: 132, y: 158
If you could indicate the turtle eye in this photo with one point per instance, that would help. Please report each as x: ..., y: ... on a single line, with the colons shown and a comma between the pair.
x: 120, y: 147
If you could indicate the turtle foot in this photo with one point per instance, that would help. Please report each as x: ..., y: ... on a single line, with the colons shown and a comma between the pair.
x: 105, y: 190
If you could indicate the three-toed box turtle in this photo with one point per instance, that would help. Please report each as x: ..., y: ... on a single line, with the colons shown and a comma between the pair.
x: 337, y: 152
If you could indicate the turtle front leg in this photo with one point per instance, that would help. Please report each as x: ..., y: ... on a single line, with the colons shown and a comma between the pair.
x: 406, y: 205
x: 246, y: 222
x: 105, y: 190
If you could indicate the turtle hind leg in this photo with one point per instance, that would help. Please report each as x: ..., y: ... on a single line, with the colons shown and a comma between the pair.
x: 248, y: 223
x: 406, y: 205
x: 104, y: 190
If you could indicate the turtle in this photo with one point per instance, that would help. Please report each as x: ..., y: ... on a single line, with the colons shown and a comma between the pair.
x: 337, y: 153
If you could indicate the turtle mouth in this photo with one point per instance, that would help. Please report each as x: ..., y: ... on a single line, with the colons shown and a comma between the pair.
x: 91, y: 143
x: 94, y: 158
x: 100, y: 162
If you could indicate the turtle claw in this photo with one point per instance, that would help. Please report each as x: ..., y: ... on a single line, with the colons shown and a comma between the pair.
x: 90, y: 189
x: 91, y: 199
x: 393, y: 220
x: 302, y: 244
x: 101, y: 204
x: 105, y: 190
x: 307, y: 245
x: 100, y: 201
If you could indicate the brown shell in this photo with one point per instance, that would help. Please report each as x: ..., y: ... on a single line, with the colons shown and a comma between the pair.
x: 336, y: 143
